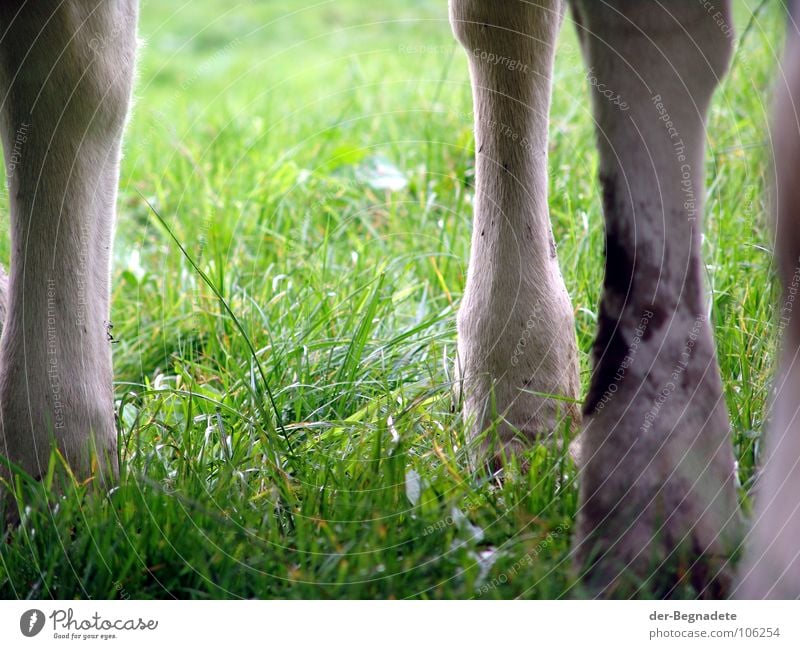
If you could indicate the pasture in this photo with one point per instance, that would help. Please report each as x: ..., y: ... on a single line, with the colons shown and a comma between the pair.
x: 292, y: 238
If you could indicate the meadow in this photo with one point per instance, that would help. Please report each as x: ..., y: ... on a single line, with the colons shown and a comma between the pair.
x: 292, y: 238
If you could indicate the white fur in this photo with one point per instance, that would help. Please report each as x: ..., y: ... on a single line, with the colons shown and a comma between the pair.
x: 65, y: 77
x: 515, y: 325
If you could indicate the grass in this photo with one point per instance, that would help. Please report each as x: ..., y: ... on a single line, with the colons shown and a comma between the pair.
x: 285, y: 330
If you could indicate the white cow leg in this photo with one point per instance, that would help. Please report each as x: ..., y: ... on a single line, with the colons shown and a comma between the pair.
x: 516, y: 338
x: 771, y: 567
x: 65, y: 74
x: 658, y: 486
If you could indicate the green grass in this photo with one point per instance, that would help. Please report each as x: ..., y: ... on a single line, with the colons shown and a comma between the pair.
x: 253, y: 136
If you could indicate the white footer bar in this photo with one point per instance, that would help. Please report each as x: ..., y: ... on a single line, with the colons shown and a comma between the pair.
x: 403, y: 624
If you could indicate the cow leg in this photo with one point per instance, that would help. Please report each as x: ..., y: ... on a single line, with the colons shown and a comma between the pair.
x: 516, y: 339
x: 658, y: 488
x: 772, y: 562
x: 65, y: 76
